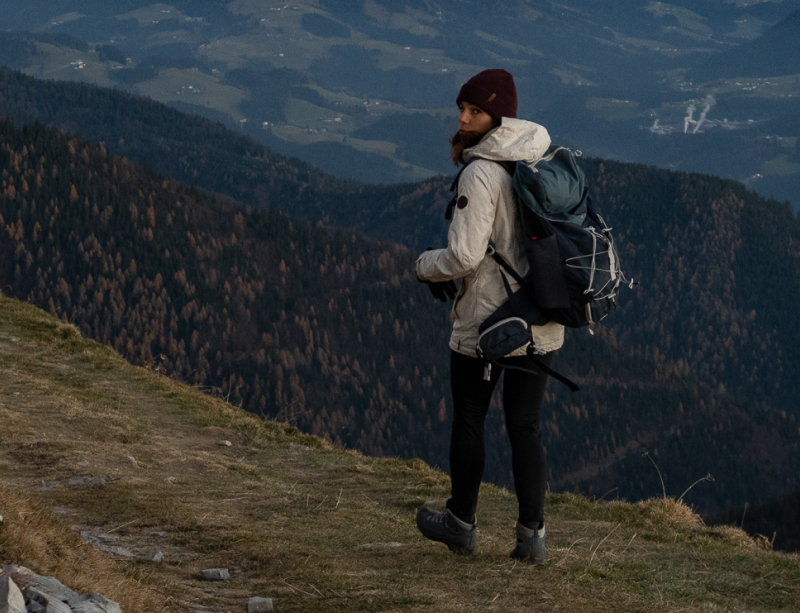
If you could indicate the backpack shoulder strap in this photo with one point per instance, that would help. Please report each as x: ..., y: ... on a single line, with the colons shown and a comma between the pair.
x: 448, y: 214
x: 510, y: 168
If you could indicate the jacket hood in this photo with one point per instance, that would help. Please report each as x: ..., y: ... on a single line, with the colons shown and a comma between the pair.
x: 513, y: 140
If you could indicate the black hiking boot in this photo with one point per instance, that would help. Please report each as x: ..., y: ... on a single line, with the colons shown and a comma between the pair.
x: 530, y: 545
x: 442, y: 526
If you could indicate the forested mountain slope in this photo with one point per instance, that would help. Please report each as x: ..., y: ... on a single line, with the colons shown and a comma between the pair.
x: 187, y: 147
x: 330, y: 331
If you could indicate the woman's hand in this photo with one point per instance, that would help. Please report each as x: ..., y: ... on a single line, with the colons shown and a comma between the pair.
x: 442, y: 290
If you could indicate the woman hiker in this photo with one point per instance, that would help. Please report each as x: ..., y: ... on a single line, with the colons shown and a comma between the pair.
x: 489, y: 132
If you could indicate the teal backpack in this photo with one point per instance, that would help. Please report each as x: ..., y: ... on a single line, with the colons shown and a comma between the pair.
x: 575, y: 273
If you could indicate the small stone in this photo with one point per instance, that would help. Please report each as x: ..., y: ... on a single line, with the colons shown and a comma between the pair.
x: 133, y: 461
x: 158, y: 556
x: 215, y: 574
x: 294, y: 447
x: 259, y: 605
x: 225, y: 444
x: 171, y: 480
x: 87, y: 481
x: 381, y: 545
x: 83, y: 463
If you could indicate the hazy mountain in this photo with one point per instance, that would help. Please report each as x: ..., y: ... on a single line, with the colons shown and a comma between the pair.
x: 775, y: 53
x: 365, y: 89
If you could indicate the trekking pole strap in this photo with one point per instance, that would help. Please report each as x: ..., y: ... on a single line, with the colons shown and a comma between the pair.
x: 546, y: 370
x: 558, y: 376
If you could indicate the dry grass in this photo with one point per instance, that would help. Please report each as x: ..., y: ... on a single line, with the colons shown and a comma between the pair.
x: 34, y: 537
x: 112, y: 449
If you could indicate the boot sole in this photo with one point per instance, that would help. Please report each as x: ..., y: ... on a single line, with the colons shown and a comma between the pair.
x: 459, y: 551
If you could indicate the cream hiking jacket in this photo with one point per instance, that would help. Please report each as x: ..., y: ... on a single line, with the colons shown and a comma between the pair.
x: 486, y: 210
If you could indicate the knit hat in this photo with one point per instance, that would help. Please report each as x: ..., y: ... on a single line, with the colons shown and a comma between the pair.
x: 492, y: 91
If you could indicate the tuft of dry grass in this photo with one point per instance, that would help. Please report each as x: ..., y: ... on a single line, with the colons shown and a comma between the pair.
x: 668, y: 514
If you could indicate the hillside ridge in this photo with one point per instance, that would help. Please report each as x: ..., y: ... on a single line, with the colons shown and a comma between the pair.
x: 100, y: 446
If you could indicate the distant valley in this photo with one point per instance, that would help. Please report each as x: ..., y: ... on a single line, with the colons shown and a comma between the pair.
x: 365, y: 89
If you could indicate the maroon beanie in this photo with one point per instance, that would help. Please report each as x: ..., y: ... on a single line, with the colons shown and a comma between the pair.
x: 492, y: 91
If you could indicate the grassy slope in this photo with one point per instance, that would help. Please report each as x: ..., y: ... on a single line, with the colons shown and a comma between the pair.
x: 301, y: 522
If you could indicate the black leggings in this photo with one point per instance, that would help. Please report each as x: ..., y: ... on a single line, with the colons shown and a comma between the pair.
x: 522, y: 398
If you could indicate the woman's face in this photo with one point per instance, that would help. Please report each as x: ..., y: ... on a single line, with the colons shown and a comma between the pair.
x: 473, y: 121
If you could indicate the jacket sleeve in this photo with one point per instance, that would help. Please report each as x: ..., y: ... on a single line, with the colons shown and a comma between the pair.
x: 470, y: 230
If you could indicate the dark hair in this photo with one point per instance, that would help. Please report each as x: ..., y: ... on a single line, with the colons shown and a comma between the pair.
x: 459, y: 142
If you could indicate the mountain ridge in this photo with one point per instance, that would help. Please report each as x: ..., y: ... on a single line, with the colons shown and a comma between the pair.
x: 775, y: 53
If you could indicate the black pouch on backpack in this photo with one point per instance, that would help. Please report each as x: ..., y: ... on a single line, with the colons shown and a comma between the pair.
x: 503, y: 337
x: 505, y: 330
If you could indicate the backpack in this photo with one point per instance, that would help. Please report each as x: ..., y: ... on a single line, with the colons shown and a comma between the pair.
x: 574, y: 265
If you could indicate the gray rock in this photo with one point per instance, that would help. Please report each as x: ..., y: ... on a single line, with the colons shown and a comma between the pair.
x: 259, y: 605
x: 13, y: 570
x: 56, y: 606
x: 11, y: 599
x: 52, y: 587
x: 225, y: 443
x: 215, y: 574
x: 156, y: 556
x: 108, y: 538
x: 94, y: 603
x: 35, y: 607
x: 117, y: 551
x: 100, y: 541
x: 35, y: 598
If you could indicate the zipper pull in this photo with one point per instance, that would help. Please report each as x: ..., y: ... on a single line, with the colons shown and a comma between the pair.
x: 487, y: 371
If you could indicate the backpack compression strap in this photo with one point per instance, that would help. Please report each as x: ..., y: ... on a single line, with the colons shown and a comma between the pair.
x: 522, y: 309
